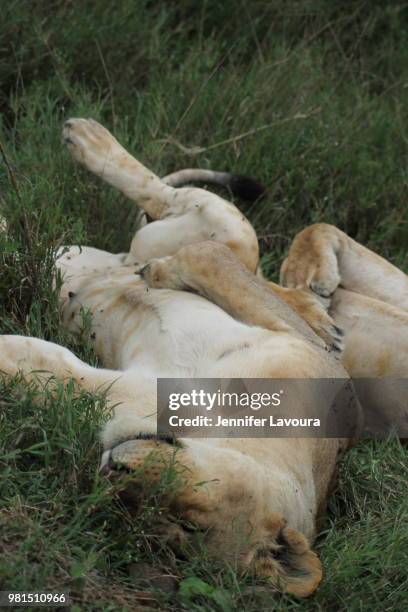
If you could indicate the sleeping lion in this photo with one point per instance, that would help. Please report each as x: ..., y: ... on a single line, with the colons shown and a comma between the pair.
x: 188, y: 301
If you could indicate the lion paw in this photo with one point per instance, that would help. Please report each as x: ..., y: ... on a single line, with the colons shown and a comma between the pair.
x: 313, y: 260
x: 91, y: 144
x: 314, y: 310
x: 161, y: 274
x: 321, y: 277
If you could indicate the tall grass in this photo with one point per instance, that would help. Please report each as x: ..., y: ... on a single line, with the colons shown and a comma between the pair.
x: 309, y: 97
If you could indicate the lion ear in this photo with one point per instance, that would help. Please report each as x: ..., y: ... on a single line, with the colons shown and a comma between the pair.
x: 290, y: 564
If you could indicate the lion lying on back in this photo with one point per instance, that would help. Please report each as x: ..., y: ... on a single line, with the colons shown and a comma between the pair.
x: 263, y: 498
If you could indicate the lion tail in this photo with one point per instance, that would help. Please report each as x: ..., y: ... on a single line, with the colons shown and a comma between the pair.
x: 244, y: 187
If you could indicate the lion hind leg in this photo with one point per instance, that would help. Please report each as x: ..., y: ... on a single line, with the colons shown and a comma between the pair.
x: 322, y: 257
x: 94, y: 147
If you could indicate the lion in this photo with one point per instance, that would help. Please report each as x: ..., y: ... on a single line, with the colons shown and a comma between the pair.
x: 368, y: 299
x: 344, y: 314
x: 187, y: 303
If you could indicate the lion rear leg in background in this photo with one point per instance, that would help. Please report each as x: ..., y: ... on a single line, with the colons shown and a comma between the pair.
x: 369, y: 301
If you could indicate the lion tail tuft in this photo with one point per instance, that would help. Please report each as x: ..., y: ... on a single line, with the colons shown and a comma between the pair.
x: 244, y: 187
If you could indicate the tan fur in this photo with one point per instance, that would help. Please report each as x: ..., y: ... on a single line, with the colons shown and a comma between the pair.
x: 369, y: 301
x: 181, y: 216
x: 254, y: 487
x: 260, y: 501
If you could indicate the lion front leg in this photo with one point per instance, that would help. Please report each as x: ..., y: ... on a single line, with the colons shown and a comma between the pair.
x: 131, y: 397
x: 314, y: 310
x: 40, y: 360
x: 212, y: 270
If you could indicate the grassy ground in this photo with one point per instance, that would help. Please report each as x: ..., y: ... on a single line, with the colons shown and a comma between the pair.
x: 309, y: 97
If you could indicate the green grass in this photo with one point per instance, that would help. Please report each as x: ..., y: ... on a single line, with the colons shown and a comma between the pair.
x: 330, y: 82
